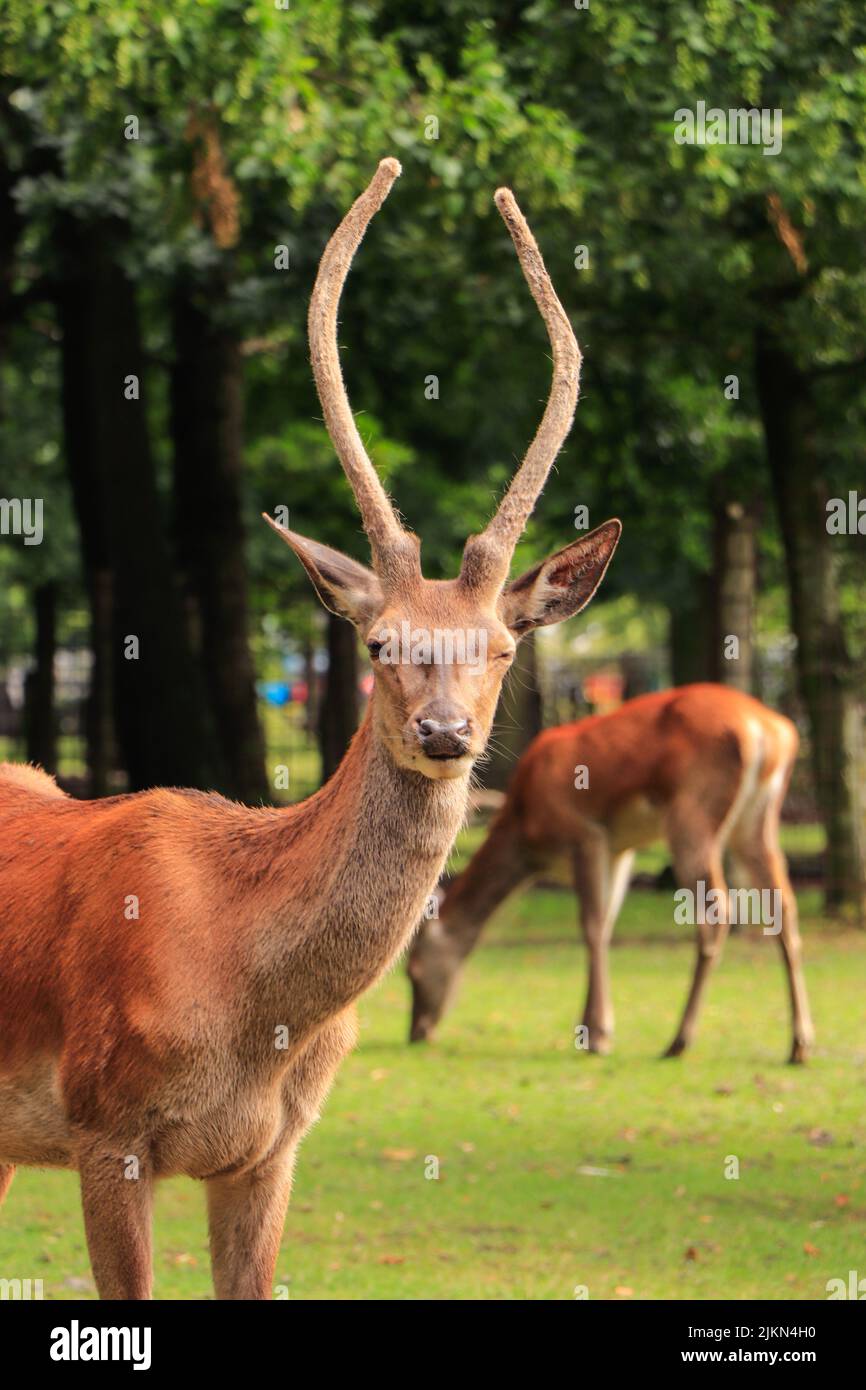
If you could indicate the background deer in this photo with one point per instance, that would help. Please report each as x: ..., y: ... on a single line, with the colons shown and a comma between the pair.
x: 199, y: 1033
x: 704, y: 767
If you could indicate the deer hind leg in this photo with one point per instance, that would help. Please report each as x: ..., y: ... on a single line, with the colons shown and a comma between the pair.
x: 601, y: 881
x: 117, y: 1220
x: 247, y: 1211
x: 761, y: 864
x: 7, y: 1173
x: 697, y: 847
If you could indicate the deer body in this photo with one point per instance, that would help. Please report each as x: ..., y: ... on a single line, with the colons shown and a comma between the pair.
x: 177, y: 972
x: 704, y: 767
x: 162, y: 1033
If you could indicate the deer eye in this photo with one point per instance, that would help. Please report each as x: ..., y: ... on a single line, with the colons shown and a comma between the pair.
x: 374, y: 648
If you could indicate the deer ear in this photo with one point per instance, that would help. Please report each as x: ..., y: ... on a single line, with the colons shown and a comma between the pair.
x: 561, y: 585
x: 344, y: 587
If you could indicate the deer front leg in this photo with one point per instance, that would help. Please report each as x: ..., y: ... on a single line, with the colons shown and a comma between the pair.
x: 7, y: 1173
x: 246, y: 1213
x: 592, y: 881
x: 117, y: 1196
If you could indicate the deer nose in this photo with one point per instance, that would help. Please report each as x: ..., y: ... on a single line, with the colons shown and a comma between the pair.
x: 443, y: 738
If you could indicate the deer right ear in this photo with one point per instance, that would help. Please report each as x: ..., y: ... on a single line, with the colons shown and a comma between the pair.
x: 344, y: 587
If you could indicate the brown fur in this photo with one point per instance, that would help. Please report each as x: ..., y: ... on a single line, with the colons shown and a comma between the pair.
x: 703, y: 766
x: 155, y: 1038
x: 177, y: 972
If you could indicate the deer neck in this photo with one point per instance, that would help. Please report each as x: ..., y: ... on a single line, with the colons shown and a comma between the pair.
x: 376, y: 839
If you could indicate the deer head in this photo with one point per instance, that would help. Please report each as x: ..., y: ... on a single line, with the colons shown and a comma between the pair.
x: 440, y: 648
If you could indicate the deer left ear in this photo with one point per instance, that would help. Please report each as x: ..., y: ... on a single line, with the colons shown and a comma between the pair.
x: 561, y: 585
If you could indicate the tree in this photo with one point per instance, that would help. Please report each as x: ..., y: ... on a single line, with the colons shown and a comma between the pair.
x: 744, y: 260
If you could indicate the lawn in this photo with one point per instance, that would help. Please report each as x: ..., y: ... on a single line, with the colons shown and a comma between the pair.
x: 556, y: 1169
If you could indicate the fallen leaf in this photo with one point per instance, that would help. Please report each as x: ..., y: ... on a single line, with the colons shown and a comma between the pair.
x: 399, y: 1155
x: 820, y: 1137
x: 392, y: 1259
x: 623, y: 1291
x: 810, y: 1249
x: 691, y: 1253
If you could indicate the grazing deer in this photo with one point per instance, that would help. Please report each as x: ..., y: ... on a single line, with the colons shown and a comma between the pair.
x: 704, y: 767
x: 178, y: 972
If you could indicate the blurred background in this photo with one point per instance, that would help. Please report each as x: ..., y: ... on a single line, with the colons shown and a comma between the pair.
x: 169, y: 176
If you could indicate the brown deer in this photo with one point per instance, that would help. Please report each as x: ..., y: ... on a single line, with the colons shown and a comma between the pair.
x: 704, y: 767
x: 178, y: 972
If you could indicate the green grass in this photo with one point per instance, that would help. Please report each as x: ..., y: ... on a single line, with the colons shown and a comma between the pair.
x: 801, y: 839
x: 557, y: 1169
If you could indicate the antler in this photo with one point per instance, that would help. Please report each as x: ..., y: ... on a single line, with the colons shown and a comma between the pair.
x: 388, y: 540
x: 487, y: 557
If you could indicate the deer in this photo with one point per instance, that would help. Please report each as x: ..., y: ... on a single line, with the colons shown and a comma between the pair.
x: 703, y: 767
x: 178, y: 972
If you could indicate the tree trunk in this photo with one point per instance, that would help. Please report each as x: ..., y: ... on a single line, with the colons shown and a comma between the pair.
x: 98, y: 710
x: 518, y: 717
x: 339, y: 710
x: 163, y: 732
x: 690, y: 635
x: 824, y: 668
x: 40, y: 723
x: 10, y: 231
x: 86, y: 469
x: 207, y: 423
x: 733, y: 592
